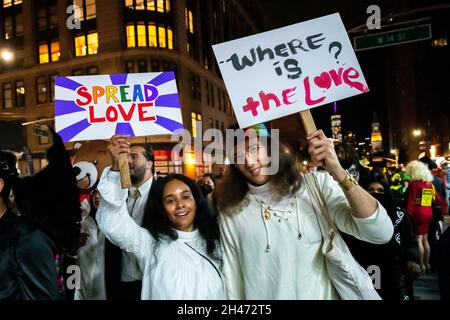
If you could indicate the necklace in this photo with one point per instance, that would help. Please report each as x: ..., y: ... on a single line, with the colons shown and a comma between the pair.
x: 282, y: 214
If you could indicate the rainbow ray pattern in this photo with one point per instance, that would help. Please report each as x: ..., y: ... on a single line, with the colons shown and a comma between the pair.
x: 75, y: 121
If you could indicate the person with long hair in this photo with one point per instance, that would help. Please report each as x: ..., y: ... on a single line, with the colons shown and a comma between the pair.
x: 419, y: 199
x: 270, y: 236
x: 177, y: 245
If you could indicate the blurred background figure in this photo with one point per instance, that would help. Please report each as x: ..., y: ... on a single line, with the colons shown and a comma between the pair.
x: 348, y: 158
x: 398, y: 260
x: 419, y: 197
x: 91, y: 256
x: 399, y: 184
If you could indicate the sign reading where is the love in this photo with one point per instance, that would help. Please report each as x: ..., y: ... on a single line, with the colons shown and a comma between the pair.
x: 97, y: 107
x: 276, y: 73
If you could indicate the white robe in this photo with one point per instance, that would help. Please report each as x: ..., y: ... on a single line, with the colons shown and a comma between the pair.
x: 171, y: 269
x: 293, y: 268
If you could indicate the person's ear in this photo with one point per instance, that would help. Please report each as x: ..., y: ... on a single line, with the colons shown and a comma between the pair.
x: 2, y: 184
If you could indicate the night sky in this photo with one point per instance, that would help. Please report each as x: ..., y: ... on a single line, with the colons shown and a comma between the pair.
x: 356, y: 111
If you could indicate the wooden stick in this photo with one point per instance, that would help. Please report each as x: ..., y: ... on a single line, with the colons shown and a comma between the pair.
x: 308, y: 121
x: 125, y: 179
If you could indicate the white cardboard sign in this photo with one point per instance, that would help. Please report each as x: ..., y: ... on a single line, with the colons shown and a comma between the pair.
x: 280, y: 72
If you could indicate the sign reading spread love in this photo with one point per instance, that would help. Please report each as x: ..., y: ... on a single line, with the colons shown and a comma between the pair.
x: 291, y: 69
x: 97, y: 107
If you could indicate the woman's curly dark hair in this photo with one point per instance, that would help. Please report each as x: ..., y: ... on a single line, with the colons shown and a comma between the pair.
x: 158, y: 224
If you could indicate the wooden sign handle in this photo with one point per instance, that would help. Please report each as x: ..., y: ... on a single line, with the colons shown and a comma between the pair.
x: 308, y: 121
x: 125, y: 179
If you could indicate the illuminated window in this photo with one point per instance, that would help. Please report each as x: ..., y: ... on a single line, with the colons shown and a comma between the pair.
x: 80, y: 46
x: 86, y: 44
x: 7, y: 96
x: 9, y: 3
x: 162, y: 6
x: 152, y: 39
x: 92, y: 43
x: 151, y: 5
x: 170, y: 37
x: 20, y: 94
x: 162, y: 37
x: 54, y: 51
x: 41, y: 89
x: 87, y: 9
x: 43, y: 53
x: 141, y: 36
x: 49, y: 52
x: 131, y: 37
x: 194, y: 118
x: 140, y: 5
x: 189, y: 20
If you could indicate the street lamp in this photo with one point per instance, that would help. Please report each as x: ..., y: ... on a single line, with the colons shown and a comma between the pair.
x: 417, y: 133
x: 7, y: 55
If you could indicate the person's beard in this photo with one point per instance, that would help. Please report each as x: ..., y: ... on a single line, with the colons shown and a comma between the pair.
x: 137, y: 174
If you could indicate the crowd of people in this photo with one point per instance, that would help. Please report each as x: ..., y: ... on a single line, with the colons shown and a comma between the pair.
x: 243, y: 234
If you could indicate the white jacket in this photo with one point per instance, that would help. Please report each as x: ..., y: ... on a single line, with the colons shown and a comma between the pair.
x: 280, y: 258
x: 171, y: 269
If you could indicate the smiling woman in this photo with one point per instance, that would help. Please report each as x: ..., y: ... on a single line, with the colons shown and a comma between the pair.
x: 177, y: 247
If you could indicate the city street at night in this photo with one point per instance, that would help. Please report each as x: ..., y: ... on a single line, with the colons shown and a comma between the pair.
x: 224, y: 150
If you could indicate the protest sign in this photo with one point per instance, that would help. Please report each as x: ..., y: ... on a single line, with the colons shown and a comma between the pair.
x: 284, y: 71
x: 97, y: 107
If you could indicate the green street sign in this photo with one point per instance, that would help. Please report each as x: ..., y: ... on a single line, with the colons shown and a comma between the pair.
x: 392, y: 38
x: 39, y: 131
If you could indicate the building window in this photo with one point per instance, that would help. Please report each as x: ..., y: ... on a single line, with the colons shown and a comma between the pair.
x: 194, y: 118
x: 78, y: 72
x: 12, y: 25
x: 142, y: 34
x: 52, y: 86
x: 41, y: 89
x: 155, y: 65
x: 87, y: 9
x: 86, y: 44
x: 92, y: 70
x: 196, y: 92
x: 7, y: 96
x: 20, y: 94
x: 47, y: 16
x: 162, y: 6
x: 49, y: 52
x: 142, y: 66
x: 189, y: 20
x: 9, y: 3
x: 213, y: 96
x: 129, y: 66
x: 217, y: 124
x: 208, y: 93
x: 89, y: 71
